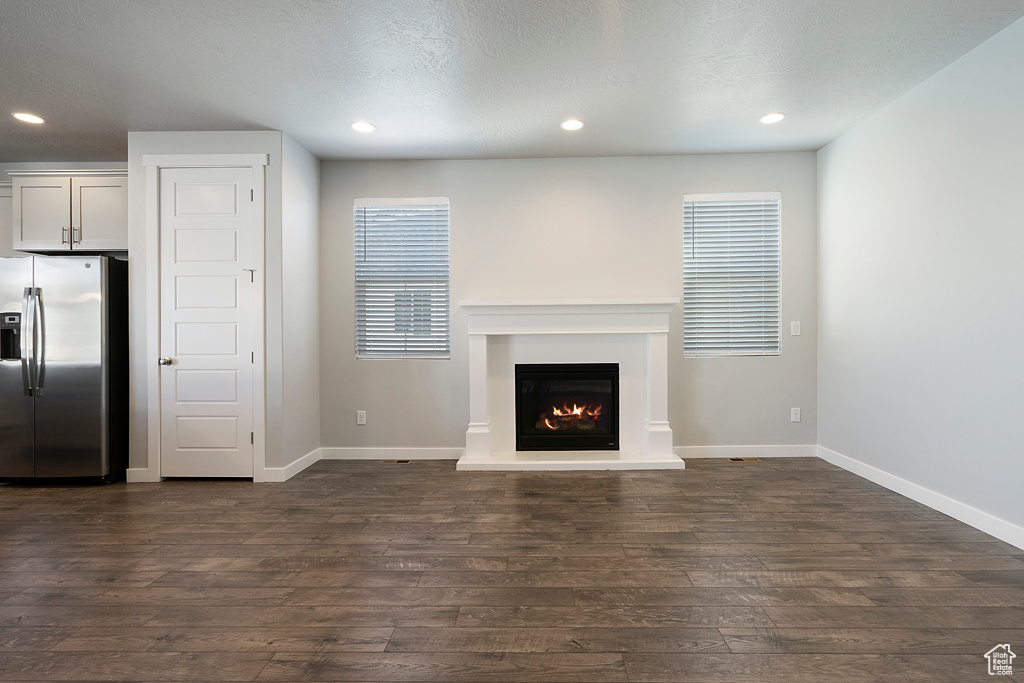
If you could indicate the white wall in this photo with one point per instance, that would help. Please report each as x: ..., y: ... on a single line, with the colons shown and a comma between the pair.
x: 300, y: 254
x: 921, y: 289
x: 565, y: 228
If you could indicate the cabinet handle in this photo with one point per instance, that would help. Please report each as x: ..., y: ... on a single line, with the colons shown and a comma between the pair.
x: 76, y: 235
x: 64, y: 236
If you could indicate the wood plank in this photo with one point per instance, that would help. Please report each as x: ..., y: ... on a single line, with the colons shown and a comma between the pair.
x: 639, y: 564
x: 869, y: 641
x: 131, y: 666
x: 896, y: 617
x: 476, y: 667
x: 837, y: 579
x: 720, y: 596
x: 269, y: 639
x: 312, y: 578
x: 606, y: 616
x: 360, y: 616
x: 556, y: 579
x: 963, y: 597
x: 502, y: 595
x: 796, y: 668
x: 742, y: 549
x: 868, y: 562
x: 557, y: 640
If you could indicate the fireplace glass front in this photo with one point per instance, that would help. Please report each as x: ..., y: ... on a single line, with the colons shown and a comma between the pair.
x: 567, y: 407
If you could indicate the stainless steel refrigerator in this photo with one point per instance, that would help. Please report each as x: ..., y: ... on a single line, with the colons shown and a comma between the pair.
x: 63, y: 367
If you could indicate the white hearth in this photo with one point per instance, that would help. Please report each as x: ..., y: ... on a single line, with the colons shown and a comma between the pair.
x: 630, y: 332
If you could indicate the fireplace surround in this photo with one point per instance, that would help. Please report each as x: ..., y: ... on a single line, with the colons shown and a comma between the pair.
x: 632, y: 333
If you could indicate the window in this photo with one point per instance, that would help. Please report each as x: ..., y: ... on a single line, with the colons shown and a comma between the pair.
x: 401, y: 254
x: 731, y: 274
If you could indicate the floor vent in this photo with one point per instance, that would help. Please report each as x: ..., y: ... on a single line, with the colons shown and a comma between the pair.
x: 744, y: 459
x: 395, y: 462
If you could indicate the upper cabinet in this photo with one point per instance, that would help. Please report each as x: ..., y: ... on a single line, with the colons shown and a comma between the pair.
x: 64, y: 211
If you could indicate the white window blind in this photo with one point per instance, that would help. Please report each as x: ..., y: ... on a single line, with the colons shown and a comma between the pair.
x: 401, y: 255
x: 731, y: 246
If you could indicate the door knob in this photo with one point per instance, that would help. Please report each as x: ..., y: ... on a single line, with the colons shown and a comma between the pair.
x: 165, y: 361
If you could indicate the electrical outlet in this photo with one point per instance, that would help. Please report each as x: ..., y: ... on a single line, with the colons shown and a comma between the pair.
x: 794, y: 328
x: 794, y: 414
x: 360, y: 417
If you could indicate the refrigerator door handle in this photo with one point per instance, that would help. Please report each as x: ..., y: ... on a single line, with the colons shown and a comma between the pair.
x: 28, y: 309
x: 41, y: 357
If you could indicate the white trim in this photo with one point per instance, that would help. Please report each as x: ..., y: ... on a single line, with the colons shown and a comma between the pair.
x: 152, y: 218
x: 279, y: 474
x: 732, y: 197
x: 400, y: 201
x: 63, y: 172
x: 990, y: 524
x: 153, y: 164
x: 349, y: 453
x: 568, y: 461
x: 137, y: 475
x: 205, y: 160
x: 259, y: 325
x: 754, y: 451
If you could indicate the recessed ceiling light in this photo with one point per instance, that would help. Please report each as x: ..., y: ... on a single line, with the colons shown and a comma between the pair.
x: 772, y: 118
x: 363, y: 127
x: 27, y: 118
x: 572, y: 124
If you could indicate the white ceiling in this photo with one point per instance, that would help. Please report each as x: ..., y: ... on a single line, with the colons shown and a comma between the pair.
x: 470, y: 78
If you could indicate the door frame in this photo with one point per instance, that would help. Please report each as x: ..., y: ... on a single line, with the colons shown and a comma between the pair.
x: 154, y: 164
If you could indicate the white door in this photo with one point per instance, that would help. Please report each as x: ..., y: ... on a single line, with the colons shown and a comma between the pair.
x: 206, y: 322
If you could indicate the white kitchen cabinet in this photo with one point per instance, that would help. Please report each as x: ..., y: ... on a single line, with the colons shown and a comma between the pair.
x: 56, y: 211
x: 6, y: 214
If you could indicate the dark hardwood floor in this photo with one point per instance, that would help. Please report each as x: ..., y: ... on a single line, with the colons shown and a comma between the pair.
x: 786, y: 570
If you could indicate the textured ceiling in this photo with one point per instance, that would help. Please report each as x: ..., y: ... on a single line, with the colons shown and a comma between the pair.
x: 470, y: 78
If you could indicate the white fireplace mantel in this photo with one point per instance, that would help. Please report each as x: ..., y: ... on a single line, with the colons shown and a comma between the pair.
x: 631, y: 332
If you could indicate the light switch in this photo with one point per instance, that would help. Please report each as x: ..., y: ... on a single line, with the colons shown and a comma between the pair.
x: 794, y: 328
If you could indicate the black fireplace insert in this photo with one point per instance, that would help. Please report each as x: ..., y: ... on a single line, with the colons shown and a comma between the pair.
x: 567, y: 407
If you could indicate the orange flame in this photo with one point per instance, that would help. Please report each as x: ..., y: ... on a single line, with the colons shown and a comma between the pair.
x: 577, y: 411
x: 571, y: 415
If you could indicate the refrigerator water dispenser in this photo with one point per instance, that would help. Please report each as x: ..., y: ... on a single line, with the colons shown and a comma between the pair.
x: 10, y: 336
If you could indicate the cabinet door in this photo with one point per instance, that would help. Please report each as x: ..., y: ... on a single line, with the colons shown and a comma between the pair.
x: 42, y: 215
x: 99, y: 212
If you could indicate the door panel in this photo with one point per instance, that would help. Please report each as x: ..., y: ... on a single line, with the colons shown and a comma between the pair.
x: 71, y: 429
x: 99, y: 212
x: 206, y: 225
x: 41, y: 213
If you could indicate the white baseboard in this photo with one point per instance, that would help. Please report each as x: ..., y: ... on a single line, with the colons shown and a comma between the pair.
x: 798, y: 451
x: 277, y: 474
x: 391, y: 453
x: 990, y: 524
x: 136, y: 475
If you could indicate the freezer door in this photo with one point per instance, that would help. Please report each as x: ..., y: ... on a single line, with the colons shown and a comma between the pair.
x: 16, y: 416
x: 71, y: 398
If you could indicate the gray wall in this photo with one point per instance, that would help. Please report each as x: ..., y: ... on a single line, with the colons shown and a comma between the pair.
x: 300, y: 253
x: 566, y: 228
x: 921, y: 287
